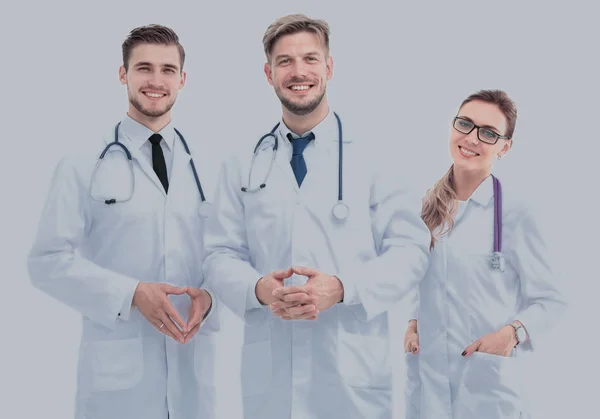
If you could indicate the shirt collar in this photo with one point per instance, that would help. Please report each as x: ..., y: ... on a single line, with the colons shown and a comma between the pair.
x: 484, y: 192
x: 138, y: 134
x: 326, y: 130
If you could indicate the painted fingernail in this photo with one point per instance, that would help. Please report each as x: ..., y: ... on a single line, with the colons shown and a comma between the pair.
x: 464, y: 353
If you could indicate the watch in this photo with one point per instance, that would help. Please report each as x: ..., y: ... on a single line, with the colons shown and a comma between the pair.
x: 520, y: 333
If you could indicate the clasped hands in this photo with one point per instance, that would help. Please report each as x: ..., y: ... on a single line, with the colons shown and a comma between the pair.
x: 299, y: 302
x: 152, y: 300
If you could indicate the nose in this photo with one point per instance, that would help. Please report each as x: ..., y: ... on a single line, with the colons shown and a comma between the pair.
x: 300, y: 69
x: 472, y: 137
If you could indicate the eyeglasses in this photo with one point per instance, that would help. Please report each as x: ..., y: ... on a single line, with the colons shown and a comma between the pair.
x: 485, y: 135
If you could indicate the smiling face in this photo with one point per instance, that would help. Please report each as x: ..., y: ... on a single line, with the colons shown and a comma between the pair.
x: 153, y: 79
x: 467, y: 151
x: 299, y: 70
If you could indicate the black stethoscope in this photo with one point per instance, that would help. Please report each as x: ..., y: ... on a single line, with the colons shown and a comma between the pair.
x: 498, y: 262
x: 205, y: 206
x: 340, y: 210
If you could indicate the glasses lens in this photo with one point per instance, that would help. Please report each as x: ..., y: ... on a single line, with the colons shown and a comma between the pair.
x: 463, y: 125
x: 487, y: 136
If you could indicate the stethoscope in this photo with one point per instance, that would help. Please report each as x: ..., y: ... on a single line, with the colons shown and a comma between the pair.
x: 340, y: 210
x: 205, y: 206
x: 498, y: 262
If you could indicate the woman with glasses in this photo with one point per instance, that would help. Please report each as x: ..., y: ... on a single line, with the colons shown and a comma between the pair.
x: 488, y: 294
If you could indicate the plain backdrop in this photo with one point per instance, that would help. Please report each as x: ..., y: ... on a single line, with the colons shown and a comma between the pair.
x: 400, y: 71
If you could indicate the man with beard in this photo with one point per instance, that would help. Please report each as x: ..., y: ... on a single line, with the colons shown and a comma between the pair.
x: 123, y: 245
x: 310, y: 264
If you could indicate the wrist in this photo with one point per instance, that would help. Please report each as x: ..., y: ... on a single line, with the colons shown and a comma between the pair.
x: 340, y: 289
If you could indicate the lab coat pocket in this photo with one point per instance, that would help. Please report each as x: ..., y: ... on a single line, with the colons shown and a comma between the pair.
x: 256, y: 368
x: 490, y: 388
x: 115, y: 364
x: 412, y: 387
x: 363, y: 361
x: 205, y: 358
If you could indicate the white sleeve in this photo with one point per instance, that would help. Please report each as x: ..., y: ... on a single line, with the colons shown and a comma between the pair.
x: 527, y: 251
x: 402, y: 239
x: 58, y: 269
x: 227, y: 267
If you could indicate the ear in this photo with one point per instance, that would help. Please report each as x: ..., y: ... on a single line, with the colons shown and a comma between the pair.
x: 506, y: 148
x: 123, y: 75
x: 267, y: 70
x: 183, y: 79
x: 329, y: 68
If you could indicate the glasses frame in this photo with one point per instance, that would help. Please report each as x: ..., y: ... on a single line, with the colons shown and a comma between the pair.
x: 499, y: 137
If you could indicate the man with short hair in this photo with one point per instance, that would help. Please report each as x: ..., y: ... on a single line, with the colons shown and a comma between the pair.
x: 123, y: 245
x: 309, y: 255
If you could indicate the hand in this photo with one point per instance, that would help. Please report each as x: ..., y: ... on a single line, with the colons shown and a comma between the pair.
x: 152, y: 300
x: 500, y: 343
x: 411, y: 338
x: 269, y: 283
x: 320, y: 292
x: 201, y: 304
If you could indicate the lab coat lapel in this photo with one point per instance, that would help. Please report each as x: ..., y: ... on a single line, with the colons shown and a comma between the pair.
x: 282, y: 160
x: 181, y: 163
x: 147, y: 169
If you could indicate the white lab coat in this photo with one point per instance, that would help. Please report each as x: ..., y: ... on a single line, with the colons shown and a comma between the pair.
x: 339, y: 365
x: 90, y: 256
x: 461, y: 299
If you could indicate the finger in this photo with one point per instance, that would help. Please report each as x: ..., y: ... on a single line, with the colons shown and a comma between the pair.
x: 195, y: 318
x: 173, y: 314
x: 301, y: 299
x: 191, y: 333
x: 162, y: 328
x: 292, y: 289
x: 193, y: 292
x: 305, y: 316
x: 282, y: 274
x: 303, y: 270
x: 471, y: 348
x: 172, y: 327
x: 300, y: 310
x: 171, y: 289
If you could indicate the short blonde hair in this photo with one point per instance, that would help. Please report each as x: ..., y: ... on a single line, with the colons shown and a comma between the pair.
x: 291, y: 24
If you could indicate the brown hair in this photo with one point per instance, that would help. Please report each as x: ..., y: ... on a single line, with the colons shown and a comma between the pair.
x: 291, y: 24
x: 439, y: 203
x: 151, y: 34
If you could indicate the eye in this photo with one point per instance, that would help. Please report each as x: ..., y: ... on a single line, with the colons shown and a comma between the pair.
x: 284, y: 61
x: 144, y: 68
x: 488, y: 134
x: 464, y: 124
x: 311, y: 58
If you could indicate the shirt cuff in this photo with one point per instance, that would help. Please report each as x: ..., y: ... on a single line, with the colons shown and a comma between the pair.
x: 351, y: 296
x: 125, y: 311
x: 251, y: 299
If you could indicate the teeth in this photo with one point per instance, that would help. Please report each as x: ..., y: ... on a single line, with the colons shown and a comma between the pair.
x: 156, y: 95
x: 467, y: 152
x: 303, y: 87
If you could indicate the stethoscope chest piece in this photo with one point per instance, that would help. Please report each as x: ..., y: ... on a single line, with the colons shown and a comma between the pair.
x: 206, y: 209
x: 498, y: 262
x: 341, y: 211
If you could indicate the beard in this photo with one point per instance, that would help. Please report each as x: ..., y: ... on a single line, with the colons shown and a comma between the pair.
x: 300, y: 108
x: 152, y: 113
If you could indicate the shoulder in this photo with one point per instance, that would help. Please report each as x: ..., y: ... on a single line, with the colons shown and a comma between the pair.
x: 522, y: 206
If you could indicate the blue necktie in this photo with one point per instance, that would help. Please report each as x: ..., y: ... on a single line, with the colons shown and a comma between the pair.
x: 297, y: 162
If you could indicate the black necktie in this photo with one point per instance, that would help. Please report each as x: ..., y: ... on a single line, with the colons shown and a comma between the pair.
x: 158, y: 160
x: 297, y: 162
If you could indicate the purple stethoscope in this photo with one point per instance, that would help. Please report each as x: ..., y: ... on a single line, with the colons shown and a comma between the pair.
x: 498, y: 262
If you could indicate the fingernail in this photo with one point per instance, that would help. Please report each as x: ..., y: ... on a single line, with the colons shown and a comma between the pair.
x: 464, y: 353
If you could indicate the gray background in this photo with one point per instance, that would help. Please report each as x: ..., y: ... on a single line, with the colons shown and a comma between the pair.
x: 400, y: 71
